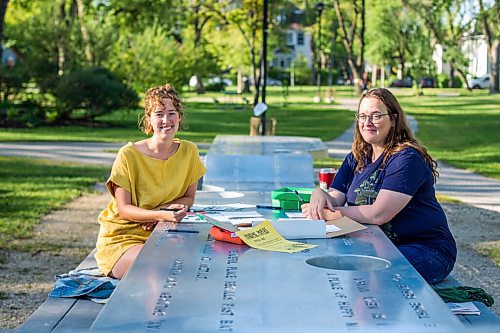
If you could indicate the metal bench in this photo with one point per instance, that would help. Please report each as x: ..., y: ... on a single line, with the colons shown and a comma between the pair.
x: 487, y: 317
x: 64, y: 314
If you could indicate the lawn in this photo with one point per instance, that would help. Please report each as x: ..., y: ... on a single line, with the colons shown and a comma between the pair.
x: 462, y: 131
x: 30, y: 188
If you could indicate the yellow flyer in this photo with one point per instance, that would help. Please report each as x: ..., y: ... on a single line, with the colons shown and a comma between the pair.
x: 265, y: 237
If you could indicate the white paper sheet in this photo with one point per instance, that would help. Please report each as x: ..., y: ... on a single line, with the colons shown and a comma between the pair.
x: 300, y: 229
x: 220, y: 208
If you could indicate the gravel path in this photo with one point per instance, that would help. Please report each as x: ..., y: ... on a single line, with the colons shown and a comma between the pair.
x: 27, y: 277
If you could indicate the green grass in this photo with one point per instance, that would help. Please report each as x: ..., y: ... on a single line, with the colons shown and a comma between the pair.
x: 30, y: 188
x: 489, y: 249
x: 462, y: 131
x: 327, y: 163
x: 203, y: 121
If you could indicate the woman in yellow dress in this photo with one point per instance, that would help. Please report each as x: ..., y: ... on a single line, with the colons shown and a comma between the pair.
x: 160, y: 172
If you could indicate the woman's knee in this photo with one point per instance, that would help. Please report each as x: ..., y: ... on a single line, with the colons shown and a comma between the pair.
x: 126, y: 260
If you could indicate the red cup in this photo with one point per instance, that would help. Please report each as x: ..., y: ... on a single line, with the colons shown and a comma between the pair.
x: 326, y: 177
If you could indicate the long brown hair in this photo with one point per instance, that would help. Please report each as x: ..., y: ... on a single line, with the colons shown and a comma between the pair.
x: 154, y: 98
x: 399, y: 137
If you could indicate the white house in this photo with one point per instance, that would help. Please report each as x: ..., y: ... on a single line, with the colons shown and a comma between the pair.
x: 298, y: 43
x: 474, y: 48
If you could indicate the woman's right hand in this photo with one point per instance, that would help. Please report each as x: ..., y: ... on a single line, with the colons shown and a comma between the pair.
x: 319, y: 200
x: 176, y: 213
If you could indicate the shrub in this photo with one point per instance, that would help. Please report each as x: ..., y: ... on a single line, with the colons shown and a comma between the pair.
x: 96, y: 91
x: 12, y: 80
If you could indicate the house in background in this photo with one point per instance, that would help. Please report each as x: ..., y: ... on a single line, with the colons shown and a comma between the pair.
x: 298, y: 43
x: 474, y: 48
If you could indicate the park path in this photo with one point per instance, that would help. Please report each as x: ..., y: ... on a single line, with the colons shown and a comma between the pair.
x: 476, y: 190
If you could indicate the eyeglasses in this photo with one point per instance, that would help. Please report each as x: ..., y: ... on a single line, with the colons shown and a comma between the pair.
x: 374, y: 118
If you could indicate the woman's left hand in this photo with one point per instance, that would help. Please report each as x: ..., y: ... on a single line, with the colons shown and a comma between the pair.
x: 149, y: 226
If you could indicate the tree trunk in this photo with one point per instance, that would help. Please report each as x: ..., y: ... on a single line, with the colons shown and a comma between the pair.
x: 493, y: 47
x: 461, y: 75
x: 494, y: 54
x: 60, y: 14
x: 85, y: 33
x: 348, y: 42
x: 3, y: 10
x: 451, y: 77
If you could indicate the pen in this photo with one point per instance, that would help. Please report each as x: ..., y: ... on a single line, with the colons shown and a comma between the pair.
x: 298, y: 196
x: 183, y: 230
x: 267, y: 207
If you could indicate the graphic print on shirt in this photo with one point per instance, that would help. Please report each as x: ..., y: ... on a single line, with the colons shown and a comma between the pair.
x: 366, y: 195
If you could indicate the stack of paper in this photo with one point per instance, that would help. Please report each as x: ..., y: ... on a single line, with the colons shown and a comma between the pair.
x: 238, y: 218
x: 220, y: 208
x: 465, y: 308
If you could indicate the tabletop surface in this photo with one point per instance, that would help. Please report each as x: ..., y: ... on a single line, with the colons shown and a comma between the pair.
x: 184, y: 281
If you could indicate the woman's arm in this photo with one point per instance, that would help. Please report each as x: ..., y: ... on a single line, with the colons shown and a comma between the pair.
x: 321, y: 202
x: 387, y: 205
x: 130, y: 212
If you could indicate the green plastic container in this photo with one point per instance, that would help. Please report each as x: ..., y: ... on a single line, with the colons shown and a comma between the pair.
x: 286, y: 198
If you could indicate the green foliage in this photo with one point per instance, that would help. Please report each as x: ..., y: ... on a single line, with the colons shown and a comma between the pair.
x: 31, y: 188
x: 96, y: 91
x: 302, y: 74
x: 149, y: 58
x: 25, y: 114
x: 11, y: 81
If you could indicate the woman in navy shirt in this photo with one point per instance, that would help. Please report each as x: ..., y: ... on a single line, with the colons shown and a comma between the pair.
x: 388, y: 179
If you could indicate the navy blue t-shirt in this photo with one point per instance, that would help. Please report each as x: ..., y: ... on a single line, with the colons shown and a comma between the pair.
x: 422, y: 220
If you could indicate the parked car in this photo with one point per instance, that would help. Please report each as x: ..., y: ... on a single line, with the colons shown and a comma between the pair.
x: 482, y: 82
x: 269, y: 82
x: 427, y: 82
x: 218, y: 79
x: 407, y: 82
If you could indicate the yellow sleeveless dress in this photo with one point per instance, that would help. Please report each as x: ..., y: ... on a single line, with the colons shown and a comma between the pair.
x: 152, y: 182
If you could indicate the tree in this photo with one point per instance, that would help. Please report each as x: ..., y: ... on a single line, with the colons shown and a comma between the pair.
x: 396, y: 36
x: 489, y: 19
x: 447, y: 20
x: 247, y: 18
x: 352, y: 32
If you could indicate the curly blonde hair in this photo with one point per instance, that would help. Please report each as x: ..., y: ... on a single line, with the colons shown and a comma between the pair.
x: 153, y: 99
x: 399, y: 137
